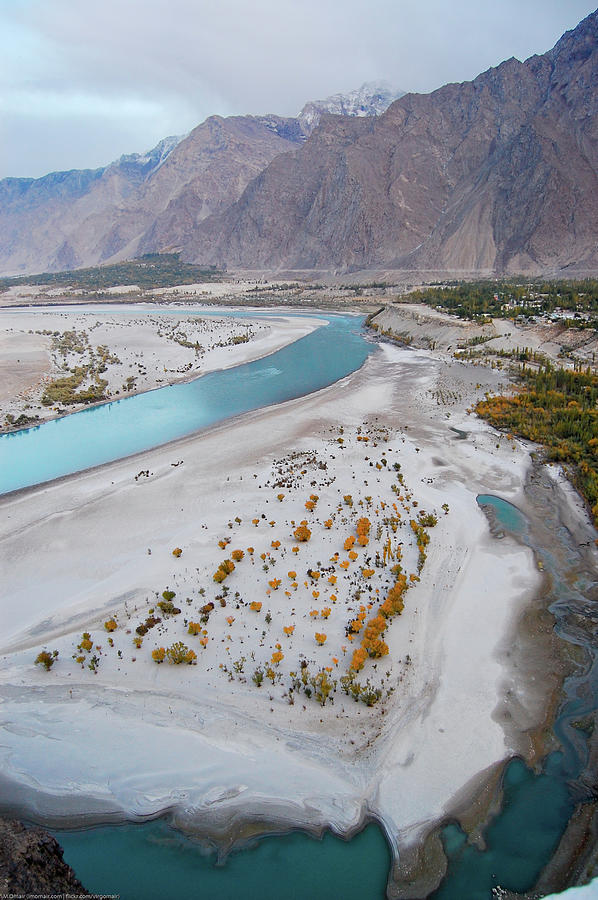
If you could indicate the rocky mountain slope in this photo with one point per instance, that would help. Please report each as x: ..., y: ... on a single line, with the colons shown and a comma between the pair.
x: 497, y: 174
x: 153, y: 202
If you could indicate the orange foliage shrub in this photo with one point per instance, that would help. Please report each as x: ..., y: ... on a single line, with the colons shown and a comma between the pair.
x: 302, y: 534
x: 225, y: 568
x: 288, y: 630
x: 349, y: 542
x: 237, y: 555
x: 374, y: 628
x: 256, y: 605
x: 110, y: 625
x: 358, y: 659
x: 47, y: 660
x: 320, y: 638
x: 275, y: 583
x: 177, y: 552
x: 377, y: 648
x: 159, y: 654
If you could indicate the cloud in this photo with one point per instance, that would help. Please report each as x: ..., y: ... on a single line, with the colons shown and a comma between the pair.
x: 164, y: 65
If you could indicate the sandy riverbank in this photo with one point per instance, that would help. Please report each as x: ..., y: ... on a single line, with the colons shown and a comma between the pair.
x: 130, y: 349
x: 130, y: 737
x: 451, y: 337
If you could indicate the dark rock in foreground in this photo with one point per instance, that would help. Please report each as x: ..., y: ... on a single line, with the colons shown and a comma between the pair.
x: 31, y: 862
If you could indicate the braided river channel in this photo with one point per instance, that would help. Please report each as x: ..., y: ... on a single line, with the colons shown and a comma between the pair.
x: 539, y: 810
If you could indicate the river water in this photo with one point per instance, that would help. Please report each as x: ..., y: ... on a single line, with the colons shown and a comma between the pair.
x: 537, y: 806
x: 114, y: 430
x: 147, y: 861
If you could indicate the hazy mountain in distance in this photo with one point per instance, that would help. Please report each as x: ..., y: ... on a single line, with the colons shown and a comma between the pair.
x: 151, y: 202
x: 70, y: 219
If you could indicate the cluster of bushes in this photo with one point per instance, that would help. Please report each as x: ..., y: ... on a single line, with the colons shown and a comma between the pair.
x: 224, y: 570
x: 65, y: 390
x: 555, y: 407
x: 176, y: 654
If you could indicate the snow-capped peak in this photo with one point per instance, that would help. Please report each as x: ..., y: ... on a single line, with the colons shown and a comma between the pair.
x: 150, y: 161
x: 371, y: 99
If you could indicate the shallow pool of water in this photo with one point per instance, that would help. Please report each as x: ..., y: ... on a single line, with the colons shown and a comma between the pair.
x: 507, y: 515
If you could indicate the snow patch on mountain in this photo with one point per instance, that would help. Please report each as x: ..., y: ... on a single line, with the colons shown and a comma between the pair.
x: 371, y: 99
x: 150, y: 161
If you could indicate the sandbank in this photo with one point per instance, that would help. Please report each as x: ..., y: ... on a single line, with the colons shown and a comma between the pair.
x: 130, y: 738
x: 133, y: 349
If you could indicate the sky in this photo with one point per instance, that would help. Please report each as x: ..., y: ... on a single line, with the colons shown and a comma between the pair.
x: 84, y: 81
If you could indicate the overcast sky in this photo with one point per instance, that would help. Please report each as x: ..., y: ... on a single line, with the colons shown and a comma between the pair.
x: 83, y: 81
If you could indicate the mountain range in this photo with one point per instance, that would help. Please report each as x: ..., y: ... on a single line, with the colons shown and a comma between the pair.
x: 153, y: 202
x: 498, y: 174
